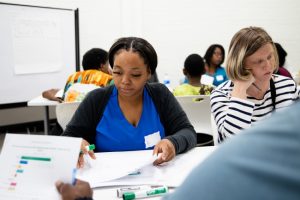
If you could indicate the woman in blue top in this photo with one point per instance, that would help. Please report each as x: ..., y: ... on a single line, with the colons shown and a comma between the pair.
x: 132, y: 114
x: 214, y: 57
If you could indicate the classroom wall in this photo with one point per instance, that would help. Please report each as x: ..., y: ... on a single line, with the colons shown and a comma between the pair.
x: 177, y: 28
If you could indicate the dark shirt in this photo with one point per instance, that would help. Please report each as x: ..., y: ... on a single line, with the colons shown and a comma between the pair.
x: 177, y: 127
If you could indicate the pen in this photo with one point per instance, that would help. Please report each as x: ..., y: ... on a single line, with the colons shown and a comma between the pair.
x: 89, y: 147
x: 74, y: 176
x: 145, y: 193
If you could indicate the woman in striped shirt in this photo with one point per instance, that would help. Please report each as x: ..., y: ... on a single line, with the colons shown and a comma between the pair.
x: 253, y: 91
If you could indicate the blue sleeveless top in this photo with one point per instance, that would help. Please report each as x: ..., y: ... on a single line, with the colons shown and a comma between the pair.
x: 115, y: 133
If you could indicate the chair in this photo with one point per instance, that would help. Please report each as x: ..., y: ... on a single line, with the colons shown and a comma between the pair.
x: 64, y: 113
x: 197, y: 109
x: 214, y: 130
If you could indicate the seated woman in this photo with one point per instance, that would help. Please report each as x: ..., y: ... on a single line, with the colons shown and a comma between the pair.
x: 193, y: 70
x: 214, y: 57
x: 132, y: 114
x: 253, y: 91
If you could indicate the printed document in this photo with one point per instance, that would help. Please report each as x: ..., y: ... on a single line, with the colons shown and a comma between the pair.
x: 136, y: 168
x: 31, y: 164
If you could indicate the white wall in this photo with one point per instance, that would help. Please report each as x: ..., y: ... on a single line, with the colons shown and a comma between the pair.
x: 177, y: 28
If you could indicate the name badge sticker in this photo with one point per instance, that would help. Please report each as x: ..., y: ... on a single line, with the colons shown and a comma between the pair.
x: 219, y: 78
x: 152, y: 139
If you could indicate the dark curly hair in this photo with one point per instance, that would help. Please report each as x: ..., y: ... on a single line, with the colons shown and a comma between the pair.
x: 93, y: 58
x: 210, y: 52
x: 194, y: 65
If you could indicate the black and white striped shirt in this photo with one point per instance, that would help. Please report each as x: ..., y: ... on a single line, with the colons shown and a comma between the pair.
x: 233, y: 114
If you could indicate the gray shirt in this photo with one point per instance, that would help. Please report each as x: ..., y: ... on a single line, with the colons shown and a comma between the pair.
x: 261, y: 163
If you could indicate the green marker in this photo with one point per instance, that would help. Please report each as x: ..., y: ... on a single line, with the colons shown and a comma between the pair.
x: 145, y: 193
x: 90, y: 147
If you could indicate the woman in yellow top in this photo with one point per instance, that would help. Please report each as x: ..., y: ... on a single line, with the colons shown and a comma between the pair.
x: 193, y: 70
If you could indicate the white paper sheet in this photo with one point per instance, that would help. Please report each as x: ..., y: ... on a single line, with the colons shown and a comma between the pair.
x: 43, y: 36
x: 121, y: 163
x: 30, y: 165
x: 113, y: 165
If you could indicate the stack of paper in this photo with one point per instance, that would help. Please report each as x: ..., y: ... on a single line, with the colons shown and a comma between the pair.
x: 115, y: 168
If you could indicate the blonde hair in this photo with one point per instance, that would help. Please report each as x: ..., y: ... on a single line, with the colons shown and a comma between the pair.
x: 243, y: 44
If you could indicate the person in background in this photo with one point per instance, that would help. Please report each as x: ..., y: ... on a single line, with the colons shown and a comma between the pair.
x: 263, y: 164
x: 214, y: 57
x: 96, y: 72
x: 281, y: 57
x: 132, y: 114
x: 193, y: 70
x: 253, y: 91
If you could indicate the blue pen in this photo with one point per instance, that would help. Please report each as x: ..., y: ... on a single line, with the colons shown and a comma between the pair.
x: 74, y: 176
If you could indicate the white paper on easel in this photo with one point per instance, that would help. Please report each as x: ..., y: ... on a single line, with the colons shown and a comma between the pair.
x: 31, y: 164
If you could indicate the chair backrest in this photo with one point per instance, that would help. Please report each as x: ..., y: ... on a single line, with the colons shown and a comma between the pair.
x: 197, y: 108
x: 64, y: 113
x: 214, y: 130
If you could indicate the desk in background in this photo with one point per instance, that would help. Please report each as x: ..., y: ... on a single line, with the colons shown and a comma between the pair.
x: 40, y: 101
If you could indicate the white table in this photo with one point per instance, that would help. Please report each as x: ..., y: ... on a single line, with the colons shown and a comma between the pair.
x: 110, y: 193
x: 195, y: 156
x: 41, y: 101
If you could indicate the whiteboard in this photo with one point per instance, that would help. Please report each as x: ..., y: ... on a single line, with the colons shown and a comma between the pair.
x: 37, y: 51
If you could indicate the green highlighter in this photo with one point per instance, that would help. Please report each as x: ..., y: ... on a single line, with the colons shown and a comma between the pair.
x: 145, y: 193
x: 89, y: 147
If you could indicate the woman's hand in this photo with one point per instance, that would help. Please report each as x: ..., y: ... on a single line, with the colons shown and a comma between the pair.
x: 70, y: 192
x: 166, y: 150
x: 83, y: 149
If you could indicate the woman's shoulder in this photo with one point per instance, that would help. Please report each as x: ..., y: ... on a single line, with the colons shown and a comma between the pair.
x: 156, y: 87
x: 221, y: 69
x: 224, y: 89
x: 283, y: 80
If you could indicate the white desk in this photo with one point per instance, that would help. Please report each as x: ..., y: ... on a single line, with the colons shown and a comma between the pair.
x: 110, y: 193
x: 40, y: 101
x: 184, y: 163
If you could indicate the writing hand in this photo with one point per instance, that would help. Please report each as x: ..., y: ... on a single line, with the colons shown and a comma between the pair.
x: 79, y: 190
x: 167, y: 150
x: 80, y: 162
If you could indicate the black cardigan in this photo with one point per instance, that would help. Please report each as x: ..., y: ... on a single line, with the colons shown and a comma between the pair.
x: 177, y: 127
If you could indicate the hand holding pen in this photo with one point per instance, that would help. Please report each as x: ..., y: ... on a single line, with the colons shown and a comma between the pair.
x: 81, y: 189
x: 166, y: 150
x: 86, y: 148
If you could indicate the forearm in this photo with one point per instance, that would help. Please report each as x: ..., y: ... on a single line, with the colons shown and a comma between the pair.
x: 183, y: 140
